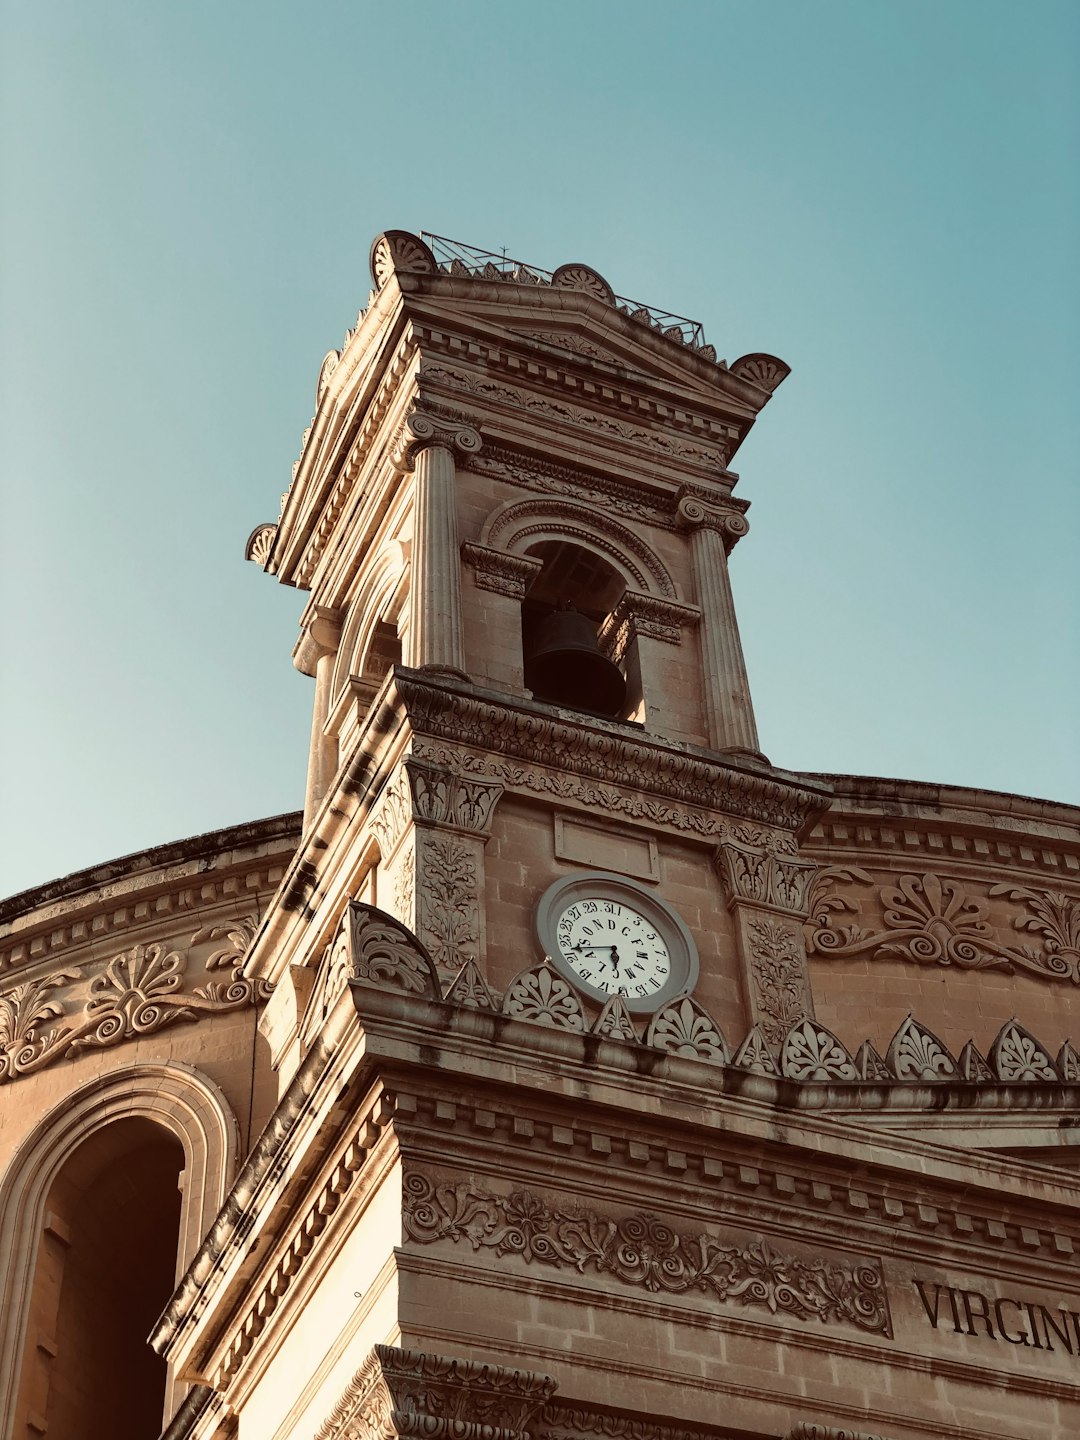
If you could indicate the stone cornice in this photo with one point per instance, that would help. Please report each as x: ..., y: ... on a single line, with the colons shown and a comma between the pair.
x: 601, y: 751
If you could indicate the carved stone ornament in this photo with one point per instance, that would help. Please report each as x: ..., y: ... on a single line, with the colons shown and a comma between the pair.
x: 810, y: 1430
x: 585, y: 279
x: 532, y: 472
x: 383, y: 954
x: 728, y: 520
x: 1068, y: 1062
x: 469, y: 990
x: 413, y: 1393
x: 935, y: 921
x: 259, y: 544
x: 870, y: 1065
x: 419, y: 431
x: 917, y: 1054
x: 778, y: 975
x: 500, y: 572
x: 686, y: 1028
x: 448, y: 900
x: 433, y: 795
x: 541, y: 996
x: 638, y: 614
x: 973, y: 1066
x: 565, y: 1420
x: 754, y: 1054
x: 645, y: 1252
x: 398, y: 250
x: 330, y: 363
x: 1017, y: 1057
x: 766, y: 878
x: 813, y: 1053
x: 137, y: 992
x: 765, y: 371
x: 614, y: 1022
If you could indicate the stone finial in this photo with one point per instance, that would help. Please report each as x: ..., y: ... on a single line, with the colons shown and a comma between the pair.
x: 764, y: 371
x: 397, y: 251
x: 419, y: 432
x: 259, y: 544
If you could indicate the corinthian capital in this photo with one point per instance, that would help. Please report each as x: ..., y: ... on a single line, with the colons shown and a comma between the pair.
x: 420, y: 431
x: 694, y: 513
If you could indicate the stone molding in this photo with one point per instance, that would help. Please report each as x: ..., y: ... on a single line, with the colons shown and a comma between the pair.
x: 420, y: 431
x: 141, y: 990
x: 735, y: 1184
x: 646, y: 1252
x: 398, y: 1392
x: 637, y: 614
x: 883, y: 837
x: 931, y: 919
x: 811, y: 1430
x: 503, y: 573
x: 539, y: 737
x: 766, y: 878
x: 547, y: 477
x: 565, y: 1420
x: 601, y: 426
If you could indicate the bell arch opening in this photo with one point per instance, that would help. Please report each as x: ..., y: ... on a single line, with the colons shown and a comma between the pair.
x: 106, y: 1266
x: 566, y: 662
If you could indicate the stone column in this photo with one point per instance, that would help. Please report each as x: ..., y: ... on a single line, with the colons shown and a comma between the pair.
x: 426, y: 448
x: 768, y: 887
x: 729, y: 713
x: 316, y: 654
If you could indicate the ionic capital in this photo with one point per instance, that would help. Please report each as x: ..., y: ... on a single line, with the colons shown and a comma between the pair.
x: 694, y: 513
x: 420, y: 432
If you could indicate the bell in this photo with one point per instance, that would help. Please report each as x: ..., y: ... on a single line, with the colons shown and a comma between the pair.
x: 567, y: 668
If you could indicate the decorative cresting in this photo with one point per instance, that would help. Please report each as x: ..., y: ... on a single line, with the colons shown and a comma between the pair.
x: 414, y: 1393
x: 136, y: 993
x: 432, y: 824
x: 813, y: 1053
x: 917, y: 1054
x: 729, y: 711
x: 936, y: 920
x: 614, y: 1021
x: 645, y: 1252
x: 469, y: 990
x: 754, y: 1055
x: 768, y: 888
x: 542, y: 996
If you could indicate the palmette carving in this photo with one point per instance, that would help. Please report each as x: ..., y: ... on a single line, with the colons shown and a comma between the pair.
x: 811, y: 1052
x: 644, y: 1251
x: 541, y: 996
x: 686, y: 1028
x: 917, y: 1054
x: 24, y: 1045
x: 1017, y: 1056
x: 932, y: 920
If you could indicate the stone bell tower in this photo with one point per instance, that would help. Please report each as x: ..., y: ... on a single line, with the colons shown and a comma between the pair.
x: 494, y: 443
x: 526, y: 910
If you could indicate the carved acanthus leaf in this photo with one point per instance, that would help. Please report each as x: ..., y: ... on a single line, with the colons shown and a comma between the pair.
x: 778, y: 971
x: 383, y: 954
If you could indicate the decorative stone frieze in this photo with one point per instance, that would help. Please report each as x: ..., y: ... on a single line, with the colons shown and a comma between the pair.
x: 134, y: 994
x: 645, y: 1252
x: 549, y: 478
x: 414, y: 1393
x: 811, y: 1430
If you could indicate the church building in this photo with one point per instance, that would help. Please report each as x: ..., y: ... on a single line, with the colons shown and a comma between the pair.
x: 569, y: 1069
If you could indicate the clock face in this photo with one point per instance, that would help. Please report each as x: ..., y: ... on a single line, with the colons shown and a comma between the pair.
x: 613, y: 947
x: 608, y: 935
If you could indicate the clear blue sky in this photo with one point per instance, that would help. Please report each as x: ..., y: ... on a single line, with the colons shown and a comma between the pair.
x: 885, y: 194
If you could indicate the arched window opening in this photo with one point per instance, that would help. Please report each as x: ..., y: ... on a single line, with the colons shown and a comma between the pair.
x: 106, y: 1267
x: 561, y: 618
x: 383, y: 653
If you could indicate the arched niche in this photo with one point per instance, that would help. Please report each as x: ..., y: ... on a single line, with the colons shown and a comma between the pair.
x: 162, y: 1116
x: 372, y: 638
